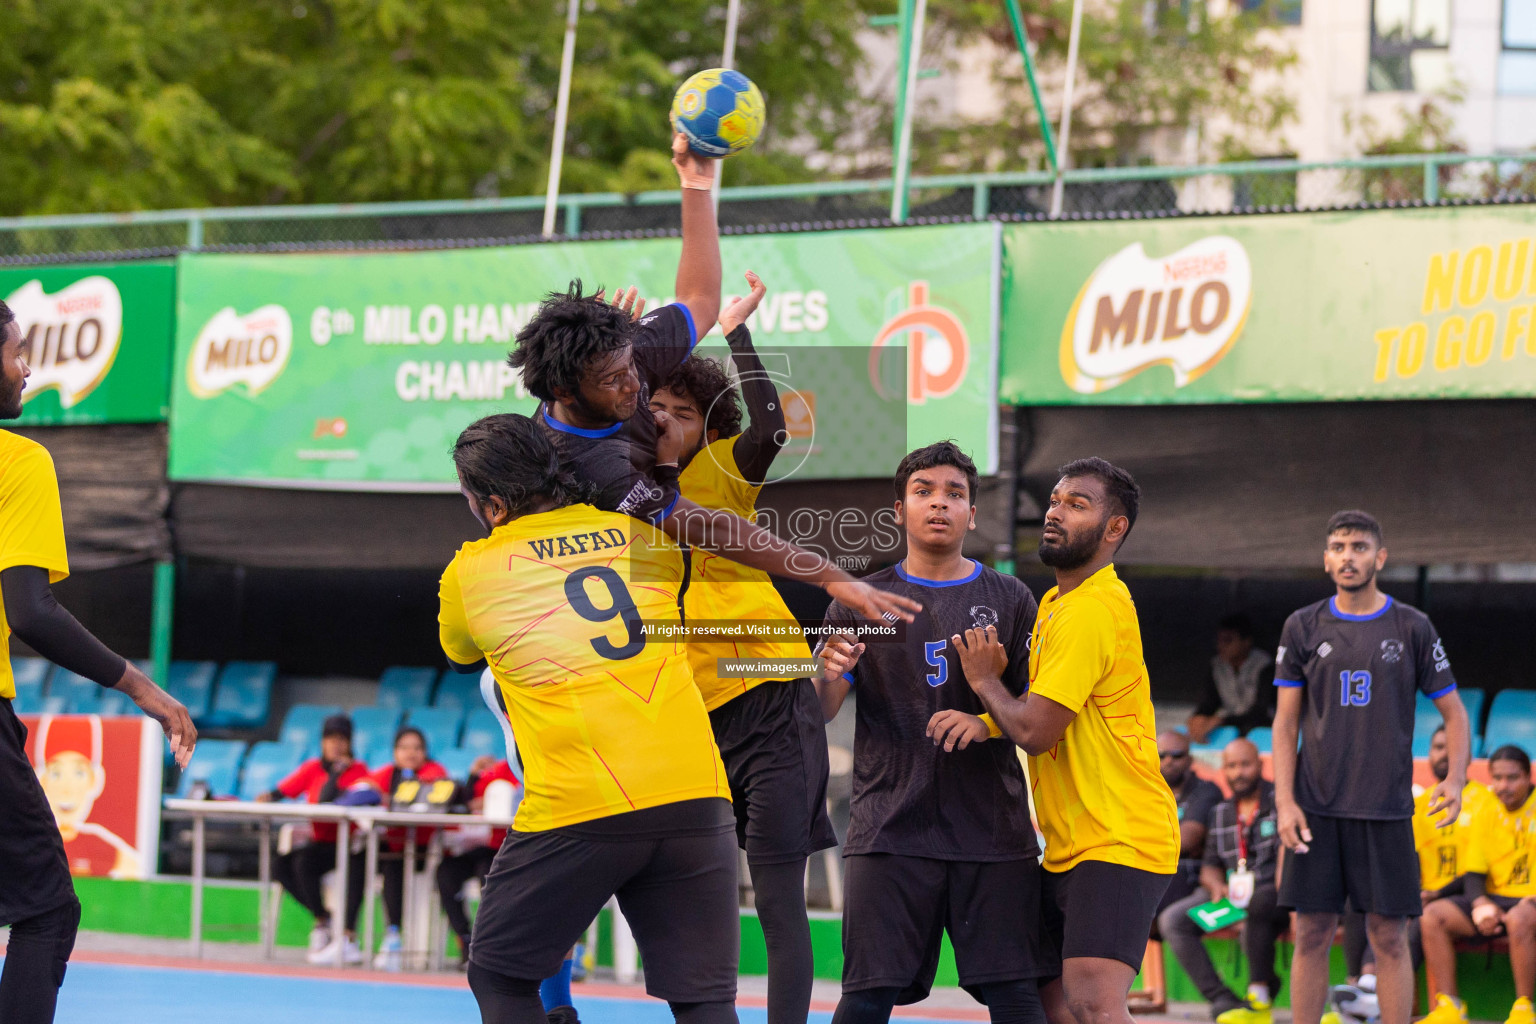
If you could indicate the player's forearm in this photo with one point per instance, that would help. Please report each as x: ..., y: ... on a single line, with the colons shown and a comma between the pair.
x: 831, y: 694
x: 725, y: 533
x: 1458, y: 737
x: 1011, y: 715
x: 50, y: 630
x: 1284, y: 755
x: 761, y: 442
x: 698, y: 272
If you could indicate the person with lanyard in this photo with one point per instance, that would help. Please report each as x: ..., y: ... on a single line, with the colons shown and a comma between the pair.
x: 1348, y: 672
x: 1195, y: 798
x: 1240, y: 862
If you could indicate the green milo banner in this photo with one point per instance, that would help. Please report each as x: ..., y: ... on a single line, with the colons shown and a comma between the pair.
x: 97, y: 339
x: 1305, y: 307
x: 358, y: 371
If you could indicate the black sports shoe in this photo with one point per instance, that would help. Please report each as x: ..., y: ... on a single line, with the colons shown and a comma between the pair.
x: 563, y: 1015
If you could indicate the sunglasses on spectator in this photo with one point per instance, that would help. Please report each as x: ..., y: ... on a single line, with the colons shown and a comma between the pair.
x: 1175, y: 754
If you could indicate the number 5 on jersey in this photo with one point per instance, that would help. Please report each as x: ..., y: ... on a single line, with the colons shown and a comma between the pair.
x: 933, y: 651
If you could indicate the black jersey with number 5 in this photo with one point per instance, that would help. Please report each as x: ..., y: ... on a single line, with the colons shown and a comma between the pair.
x: 1360, y: 674
x: 910, y: 797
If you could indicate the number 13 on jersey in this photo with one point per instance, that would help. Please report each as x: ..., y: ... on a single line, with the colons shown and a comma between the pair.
x: 1354, y: 689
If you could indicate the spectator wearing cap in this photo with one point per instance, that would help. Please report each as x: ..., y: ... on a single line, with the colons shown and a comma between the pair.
x: 1240, y: 690
x: 403, y: 786
x: 321, y: 780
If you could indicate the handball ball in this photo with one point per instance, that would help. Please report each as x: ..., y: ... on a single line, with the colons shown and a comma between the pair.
x: 720, y: 111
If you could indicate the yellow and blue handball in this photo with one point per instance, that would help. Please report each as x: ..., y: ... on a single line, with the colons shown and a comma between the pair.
x: 720, y: 111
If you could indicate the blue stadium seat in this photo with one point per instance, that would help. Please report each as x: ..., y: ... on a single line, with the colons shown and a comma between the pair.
x: 301, y: 727
x: 482, y: 734
x: 459, y: 690
x: 440, y: 726
x: 379, y: 753
x: 29, y: 696
x: 1218, y: 738
x: 457, y: 762
x: 372, y: 726
x: 31, y: 673
x: 401, y: 687
x: 191, y: 682
x: 1264, y: 738
x: 242, y: 695
x: 218, y: 763
x: 81, y: 696
x: 1474, y: 700
x: 1511, y: 719
x: 267, y: 764
x: 115, y: 702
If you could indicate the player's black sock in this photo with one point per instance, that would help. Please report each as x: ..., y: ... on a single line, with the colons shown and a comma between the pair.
x: 866, y: 1006
x: 34, y: 964
x: 780, y: 892
x: 704, y: 1013
x: 1013, y: 1002
x: 505, y: 1000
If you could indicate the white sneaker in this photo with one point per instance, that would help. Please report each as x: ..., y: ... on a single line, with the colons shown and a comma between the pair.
x: 319, y: 939
x: 345, y: 948
x: 388, y: 958
x: 352, y: 953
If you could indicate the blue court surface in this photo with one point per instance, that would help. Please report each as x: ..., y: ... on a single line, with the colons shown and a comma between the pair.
x: 97, y: 992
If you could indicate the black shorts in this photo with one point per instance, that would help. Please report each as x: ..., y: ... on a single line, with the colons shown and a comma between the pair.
x: 774, y: 744
x: 1463, y: 903
x: 1102, y: 910
x: 35, y: 878
x: 897, y: 908
x: 1372, y: 864
x: 676, y: 887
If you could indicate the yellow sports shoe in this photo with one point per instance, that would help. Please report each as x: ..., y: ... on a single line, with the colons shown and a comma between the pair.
x: 1449, y: 1011
x: 1331, y: 1017
x: 1254, y: 1012
x: 1521, y: 1013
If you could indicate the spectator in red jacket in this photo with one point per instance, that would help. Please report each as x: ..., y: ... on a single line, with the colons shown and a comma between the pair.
x: 454, y: 871
x: 403, y: 784
x: 321, y: 780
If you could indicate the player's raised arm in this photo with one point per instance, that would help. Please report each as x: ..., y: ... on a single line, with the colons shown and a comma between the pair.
x: 698, y: 272
x: 756, y: 447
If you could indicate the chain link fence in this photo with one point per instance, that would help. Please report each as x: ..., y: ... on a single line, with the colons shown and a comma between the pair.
x: 1280, y: 186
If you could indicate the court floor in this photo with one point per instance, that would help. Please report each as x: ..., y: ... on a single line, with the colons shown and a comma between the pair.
x: 139, y: 993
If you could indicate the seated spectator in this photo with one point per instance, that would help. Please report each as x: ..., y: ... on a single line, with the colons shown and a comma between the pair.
x: 1242, y: 852
x: 1195, y: 797
x: 1240, y: 690
x: 474, y: 862
x: 411, y: 766
x: 1496, y: 895
x: 324, y: 779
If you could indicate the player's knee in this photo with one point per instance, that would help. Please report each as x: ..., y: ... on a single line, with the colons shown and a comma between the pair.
x: 1314, y: 934
x: 1389, y: 937
x: 1520, y: 920
x: 1095, y: 1008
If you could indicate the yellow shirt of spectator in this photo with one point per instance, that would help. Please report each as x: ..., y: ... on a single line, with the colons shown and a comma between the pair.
x: 720, y: 590
x: 1503, y: 846
x: 31, y: 525
x: 1443, y: 851
x: 1098, y: 792
x: 566, y: 607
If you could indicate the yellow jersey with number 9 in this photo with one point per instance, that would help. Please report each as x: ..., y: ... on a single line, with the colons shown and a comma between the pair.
x: 571, y: 608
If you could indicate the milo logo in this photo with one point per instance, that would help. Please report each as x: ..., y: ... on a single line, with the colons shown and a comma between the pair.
x: 69, y: 338
x: 1183, y: 311
x: 250, y: 349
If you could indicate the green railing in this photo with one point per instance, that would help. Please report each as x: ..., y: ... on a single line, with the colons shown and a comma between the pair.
x: 1267, y: 185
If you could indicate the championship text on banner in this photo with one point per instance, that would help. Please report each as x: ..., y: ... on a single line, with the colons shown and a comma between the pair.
x: 358, y: 371
x: 1305, y: 307
x: 97, y: 340
x: 102, y: 778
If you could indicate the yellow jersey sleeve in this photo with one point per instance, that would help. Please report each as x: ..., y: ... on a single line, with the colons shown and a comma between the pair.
x: 1081, y: 652
x: 31, y: 517
x: 452, y: 621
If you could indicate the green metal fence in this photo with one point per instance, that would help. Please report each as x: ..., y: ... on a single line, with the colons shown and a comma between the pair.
x: 1259, y: 186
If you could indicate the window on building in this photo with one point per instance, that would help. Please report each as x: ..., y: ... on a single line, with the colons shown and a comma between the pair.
x: 1517, y: 62
x: 1285, y: 12
x: 1409, y: 45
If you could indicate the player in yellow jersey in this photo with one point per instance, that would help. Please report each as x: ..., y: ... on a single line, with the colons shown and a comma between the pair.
x: 37, y: 896
x: 624, y: 792
x: 1443, y: 849
x: 1498, y: 894
x: 768, y: 728
x: 1110, y: 823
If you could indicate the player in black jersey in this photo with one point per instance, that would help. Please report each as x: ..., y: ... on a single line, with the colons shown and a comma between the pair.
x: 937, y: 841
x: 595, y: 371
x: 1347, y: 671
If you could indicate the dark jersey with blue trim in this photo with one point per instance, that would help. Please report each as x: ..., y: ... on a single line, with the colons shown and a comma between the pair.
x: 909, y: 796
x: 1360, y: 674
x: 620, y: 459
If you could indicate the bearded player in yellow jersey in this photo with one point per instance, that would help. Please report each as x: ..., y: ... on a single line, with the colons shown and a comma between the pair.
x: 769, y: 729
x: 624, y: 790
x: 1498, y: 894
x: 1110, y: 822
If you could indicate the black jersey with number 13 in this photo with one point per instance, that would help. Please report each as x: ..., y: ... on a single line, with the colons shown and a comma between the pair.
x: 910, y: 797
x: 1360, y: 674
